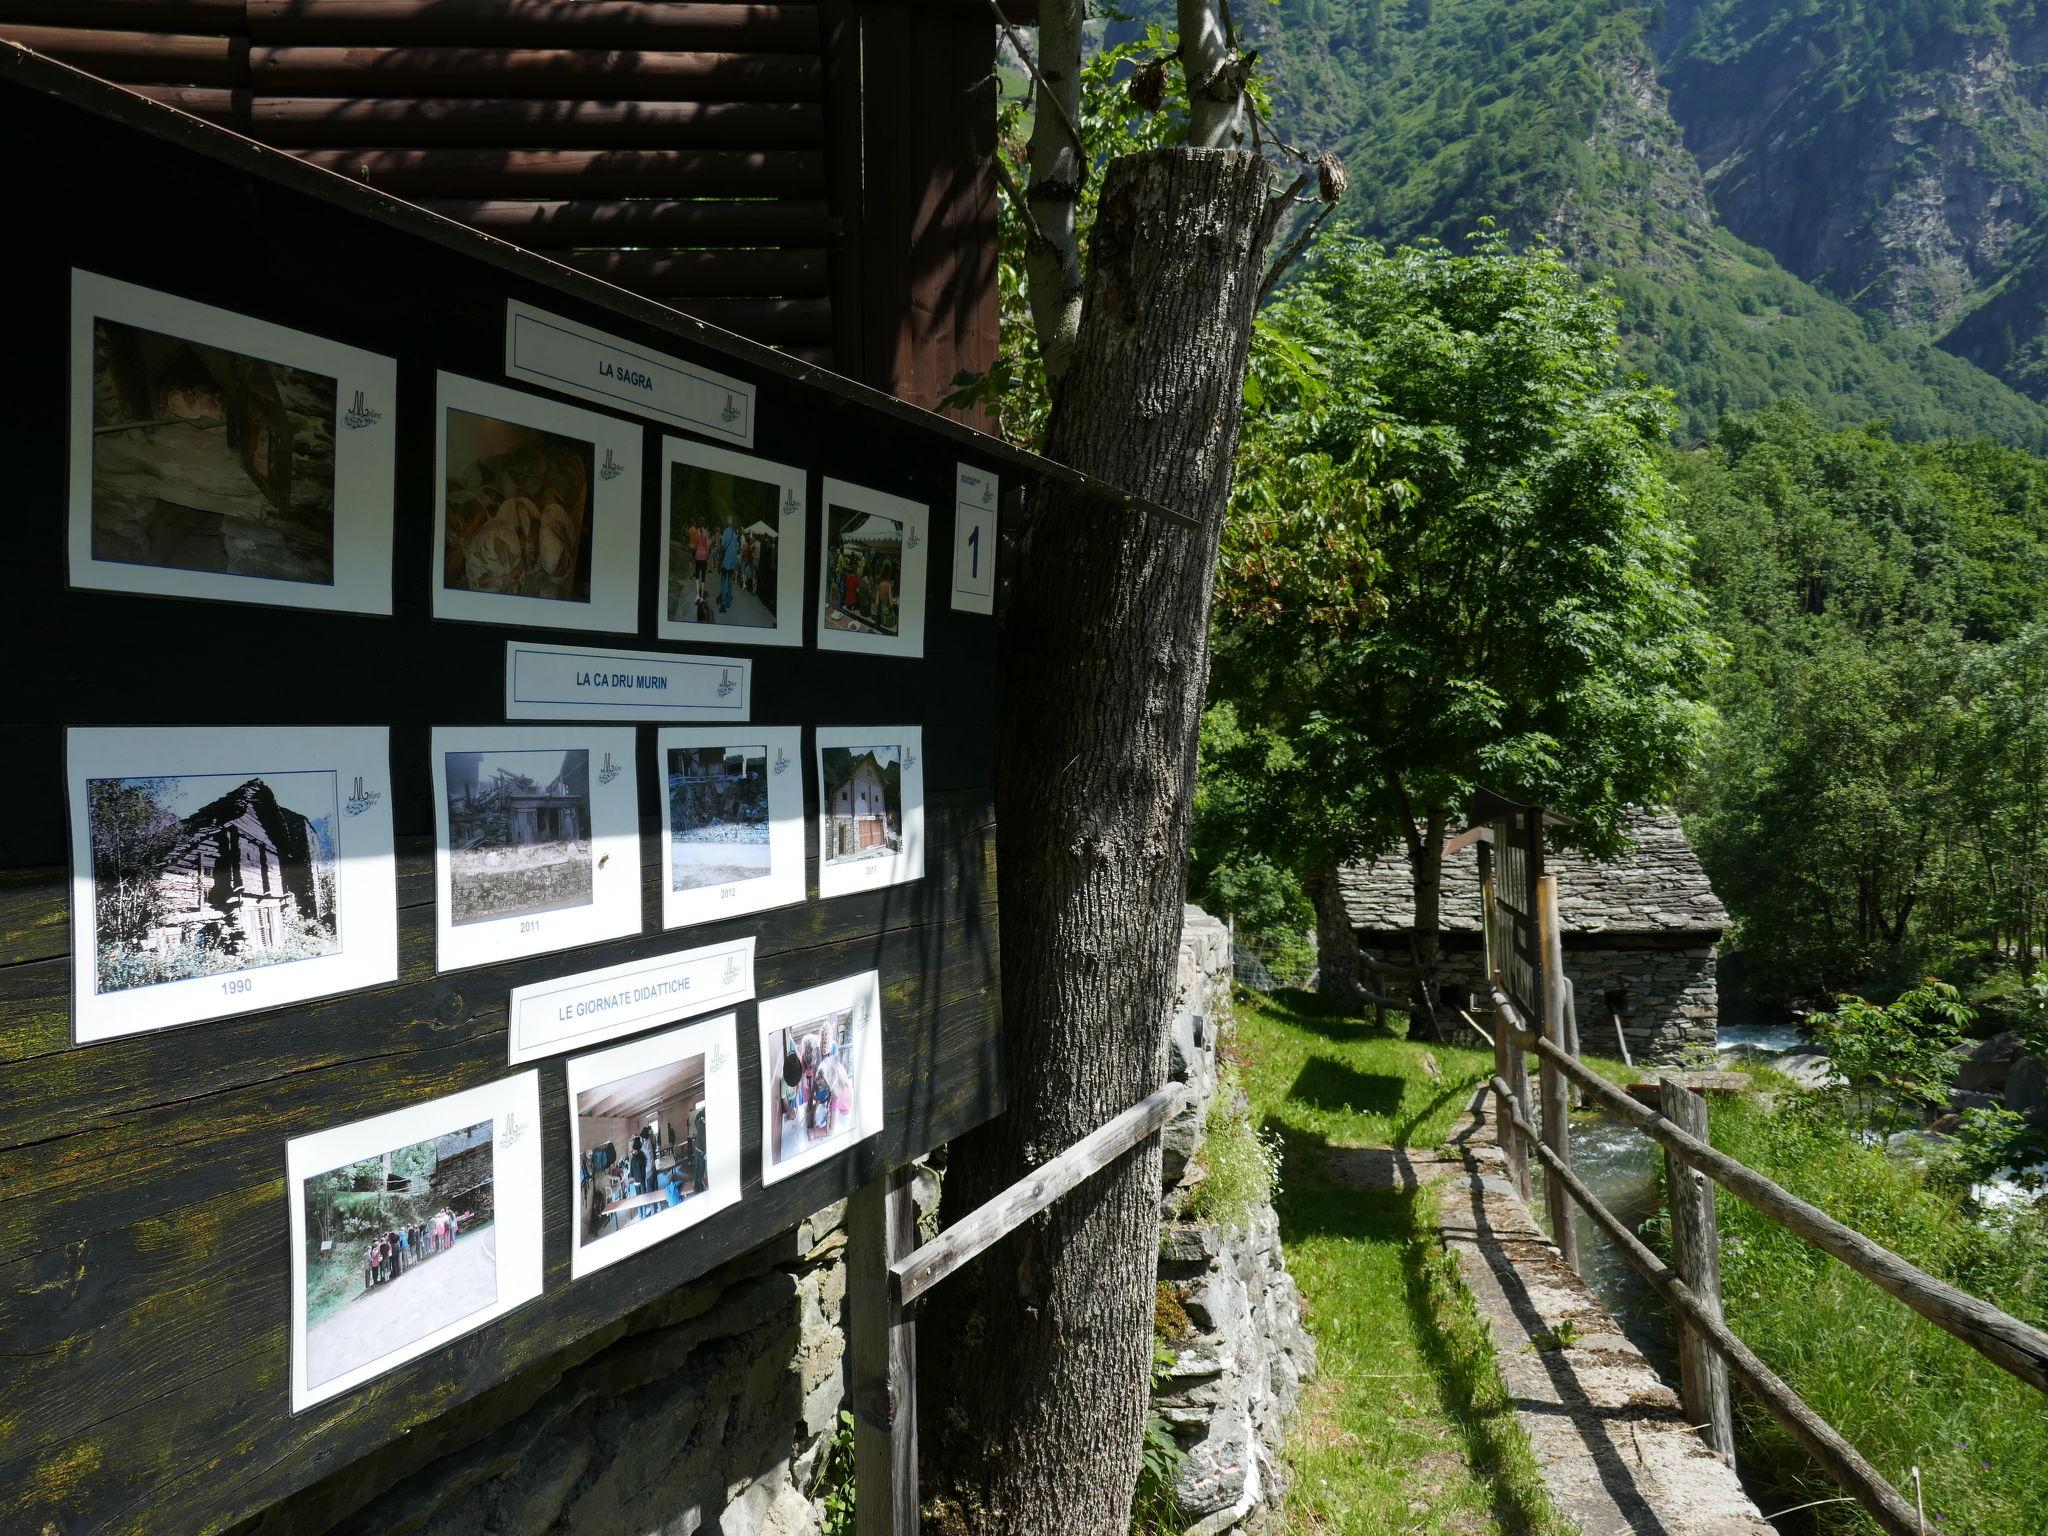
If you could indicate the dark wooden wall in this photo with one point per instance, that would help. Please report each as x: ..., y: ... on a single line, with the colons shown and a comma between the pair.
x: 144, y: 1263
x: 813, y: 176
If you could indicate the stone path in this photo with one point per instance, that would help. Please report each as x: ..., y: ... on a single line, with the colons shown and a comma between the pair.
x: 1617, y: 1454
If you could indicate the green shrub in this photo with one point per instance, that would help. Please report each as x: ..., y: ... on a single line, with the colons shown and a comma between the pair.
x: 1239, y: 1162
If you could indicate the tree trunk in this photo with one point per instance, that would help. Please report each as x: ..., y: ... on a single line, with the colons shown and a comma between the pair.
x: 1339, y: 974
x: 1426, y: 865
x: 1045, y: 1346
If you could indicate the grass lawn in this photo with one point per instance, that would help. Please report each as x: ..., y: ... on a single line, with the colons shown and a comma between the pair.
x: 1406, y: 1430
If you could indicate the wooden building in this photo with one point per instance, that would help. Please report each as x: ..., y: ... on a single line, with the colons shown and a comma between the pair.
x: 240, y: 876
x: 1641, y: 934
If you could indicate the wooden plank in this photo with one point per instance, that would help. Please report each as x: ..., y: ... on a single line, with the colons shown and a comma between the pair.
x: 587, y: 172
x: 508, y: 122
x: 1696, y: 1254
x: 755, y: 28
x: 881, y: 1227
x: 794, y: 322
x: 545, y: 224
x: 733, y: 274
x: 223, y: 16
x: 1998, y: 1336
x: 1837, y: 1457
x: 549, y: 72
x: 188, y: 58
x: 973, y: 1233
x: 1555, y: 1086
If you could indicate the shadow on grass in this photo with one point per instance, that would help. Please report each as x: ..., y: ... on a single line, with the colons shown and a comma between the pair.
x: 1327, y: 1083
x: 1314, y: 1015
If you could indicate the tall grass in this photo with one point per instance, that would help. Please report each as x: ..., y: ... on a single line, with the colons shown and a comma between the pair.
x: 1902, y: 1391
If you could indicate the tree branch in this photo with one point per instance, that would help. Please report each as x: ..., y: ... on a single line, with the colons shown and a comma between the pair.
x: 1295, y: 247
x: 1033, y: 235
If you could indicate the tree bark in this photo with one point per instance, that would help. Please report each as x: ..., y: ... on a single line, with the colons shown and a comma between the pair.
x: 1047, y: 1341
x: 1426, y: 865
x: 1053, y: 265
x: 1340, y: 977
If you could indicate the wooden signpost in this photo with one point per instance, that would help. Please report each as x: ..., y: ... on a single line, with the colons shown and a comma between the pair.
x: 146, y: 1237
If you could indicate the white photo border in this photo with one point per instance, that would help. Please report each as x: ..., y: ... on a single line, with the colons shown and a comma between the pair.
x: 365, y: 439
x: 717, y: 1041
x: 844, y: 879
x: 627, y: 998
x: 513, y: 1104
x: 916, y: 518
x: 366, y: 885
x: 784, y: 884
x: 613, y: 515
x: 794, y: 484
x: 862, y: 994
x: 614, y: 910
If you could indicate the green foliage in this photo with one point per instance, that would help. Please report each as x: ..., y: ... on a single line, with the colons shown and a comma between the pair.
x: 836, y: 1484
x: 1155, y: 1509
x: 1902, y: 1391
x: 1900, y: 1055
x: 1240, y: 1163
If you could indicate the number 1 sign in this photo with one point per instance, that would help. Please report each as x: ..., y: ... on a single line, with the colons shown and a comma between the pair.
x: 974, y: 540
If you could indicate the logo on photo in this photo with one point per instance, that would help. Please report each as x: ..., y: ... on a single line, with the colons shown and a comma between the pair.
x: 732, y: 970
x: 362, y: 799
x: 790, y: 505
x: 360, y: 415
x: 781, y: 759
x: 731, y: 412
x: 725, y: 682
x: 988, y: 493
x: 910, y: 538
x: 611, y: 468
x: 609, y: 771
x: 910, y: 759
x: 717, y: 1059
x: 515, y: 1129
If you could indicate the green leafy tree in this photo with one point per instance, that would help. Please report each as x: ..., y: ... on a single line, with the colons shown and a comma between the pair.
x: 1899, y: 1056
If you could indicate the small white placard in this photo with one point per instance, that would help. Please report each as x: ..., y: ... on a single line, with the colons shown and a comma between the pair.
x: 870, y: 807
x: 580, y: 682
x: 219, y: 456
x: 537, y: 511
x: 219, y: 870
x: 732, y: 821
x: 440, y: 1231
x: 821, y: 1073
x: 560, y: 354
x: 873, y: 549
x: 671, y: 1101
x: 536, y: 840
x: 974, y: 539
x: 591, y: 1007
x: 719, y: 505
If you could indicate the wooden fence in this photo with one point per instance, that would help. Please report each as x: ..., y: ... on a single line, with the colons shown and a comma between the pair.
x: 1690, y: 1284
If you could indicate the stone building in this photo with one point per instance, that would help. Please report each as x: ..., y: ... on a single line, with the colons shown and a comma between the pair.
x: 239, y: 876
x: 1641, y: 933
x: 858, y: 808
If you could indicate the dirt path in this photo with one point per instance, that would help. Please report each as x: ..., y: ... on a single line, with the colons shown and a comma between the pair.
x: 445, y: 1288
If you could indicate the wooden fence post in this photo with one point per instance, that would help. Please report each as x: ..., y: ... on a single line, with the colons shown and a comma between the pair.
x: 1571, y: 1033
x: 881, y: 1227
x: 1557, y: 1133
x: 1696, y: 1254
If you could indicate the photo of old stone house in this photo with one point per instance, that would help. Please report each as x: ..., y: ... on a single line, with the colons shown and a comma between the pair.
x: 863, y: 789
x: 518, y: 833
x: 204, y: 874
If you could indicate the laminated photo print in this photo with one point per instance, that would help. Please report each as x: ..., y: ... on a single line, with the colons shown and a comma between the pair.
x: 537, y: 516
x: 821, y: 1073
x: 410, y: 1230
x: 214, y: 455
x: 222, y: 870
x: 873, y: 548
x: 732, y: 547
x: 536, y: 840
x: 654, y: 1145
x: 870, y: 807
x: 732, y: 821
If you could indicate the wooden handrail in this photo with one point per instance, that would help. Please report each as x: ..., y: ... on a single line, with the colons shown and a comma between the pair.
x: 1998, y: 1336
x: 917, y: 1272
x: 1837, y: 1456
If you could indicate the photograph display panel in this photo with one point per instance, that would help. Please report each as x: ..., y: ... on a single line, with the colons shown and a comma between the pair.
x: 537, y: 520
x: 218, y: 871
x: 411, y: 1229
x: 821, y: 1073
x: 654, y: 1140
x: 536, y: 840
x: 732, y: 821
x: 873, y: 548
x: 870, y: 807
x: 732, y: 547
x: 217, y: 456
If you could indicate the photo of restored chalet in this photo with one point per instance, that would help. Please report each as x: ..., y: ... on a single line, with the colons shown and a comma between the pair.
x: 518, y: 833
x: 863, y: 791
x: 208, y: 874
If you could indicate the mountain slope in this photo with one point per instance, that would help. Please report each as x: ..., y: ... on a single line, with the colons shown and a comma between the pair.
x: 1553, y: 116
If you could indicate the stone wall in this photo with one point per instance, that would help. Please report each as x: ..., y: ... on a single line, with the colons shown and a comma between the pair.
x: 1239, y: 1360
x: 1672, y: 1006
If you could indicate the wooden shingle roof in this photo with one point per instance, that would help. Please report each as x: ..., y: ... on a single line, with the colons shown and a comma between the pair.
x: 1656, y: 887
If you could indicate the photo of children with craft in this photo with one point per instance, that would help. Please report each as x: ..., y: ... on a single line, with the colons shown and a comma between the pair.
x: 821, y: 1062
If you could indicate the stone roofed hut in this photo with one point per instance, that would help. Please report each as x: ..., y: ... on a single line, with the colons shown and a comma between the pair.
x: 1640, y: 933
